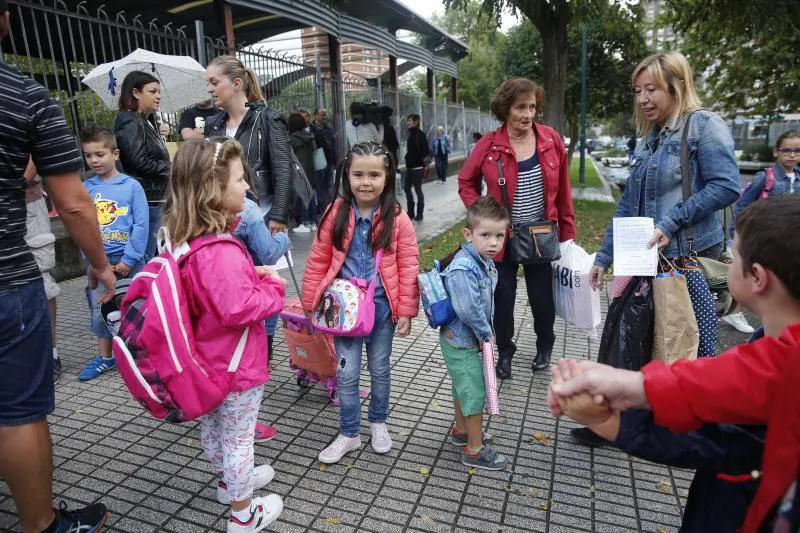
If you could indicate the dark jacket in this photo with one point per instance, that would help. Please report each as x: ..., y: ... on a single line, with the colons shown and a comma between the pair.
x: 264, y: 136
x: 417, y: 148
x: 143, y: 154
x: 713, y: 504
x: 304, y: 146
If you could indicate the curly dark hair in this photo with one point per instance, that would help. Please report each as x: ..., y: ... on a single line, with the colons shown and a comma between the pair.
x: 509, y: 91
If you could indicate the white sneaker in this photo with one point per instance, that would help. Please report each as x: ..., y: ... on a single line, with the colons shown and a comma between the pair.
x: 302, y: 228
x: 338, y: 448
x: 738, y: 322
x: 262, y: 475
x: 313, y: 227
x: 381, y: 440
x: 267, y: 510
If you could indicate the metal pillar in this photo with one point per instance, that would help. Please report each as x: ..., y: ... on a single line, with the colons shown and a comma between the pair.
x: 584, y: 103
x: 429, y: 89
x: 464, y: 127
x: 201, y: 42
x: 454, y: 89
x: 337, y: 95
x: 320, y: 101
x: 228, y: 12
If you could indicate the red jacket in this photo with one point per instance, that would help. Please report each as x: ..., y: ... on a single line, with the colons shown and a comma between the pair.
x: 482, y: 165
x: 753, y: 383
x: 399, y: 266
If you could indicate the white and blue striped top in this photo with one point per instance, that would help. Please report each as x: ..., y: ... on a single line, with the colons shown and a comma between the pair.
x: 529, y: 198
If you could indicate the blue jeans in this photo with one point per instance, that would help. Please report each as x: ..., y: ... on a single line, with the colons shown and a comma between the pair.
x: 348, y: 352
x: 26, y: 355
x: 155, y: 222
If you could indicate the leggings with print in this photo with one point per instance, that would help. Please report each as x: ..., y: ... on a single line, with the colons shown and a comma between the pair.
x: 227, y: 438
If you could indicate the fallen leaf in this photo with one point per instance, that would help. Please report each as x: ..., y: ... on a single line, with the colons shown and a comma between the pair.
x: 592, y: 489
x: 424, y: 472
x: 404, y: 433
x: 435, y: 405
x: 544, y: 506
x: 533, y: 493
x: 78, y: 411
x: 542, y: 439
x: 523, y: 392
x: 662, y: 530
x: 428, y: 519
x: 511, y: 489
x: 664, y: 487
x: 332, y: 520
x: 472, y: 471
x: 351, y: 466
x: 322, y: 467
x: 189, y: 442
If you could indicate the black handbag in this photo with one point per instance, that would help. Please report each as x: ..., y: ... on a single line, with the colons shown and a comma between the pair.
x: 529, y: 243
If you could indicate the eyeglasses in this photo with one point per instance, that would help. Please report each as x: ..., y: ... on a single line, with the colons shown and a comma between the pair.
x: 789, y: 151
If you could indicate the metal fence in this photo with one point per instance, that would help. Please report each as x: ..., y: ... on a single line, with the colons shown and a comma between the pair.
x: 749, y: 135
x: 58, y: 46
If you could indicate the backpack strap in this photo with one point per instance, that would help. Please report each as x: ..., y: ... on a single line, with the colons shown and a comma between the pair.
x: 186, y: 250
x: 685, y: 180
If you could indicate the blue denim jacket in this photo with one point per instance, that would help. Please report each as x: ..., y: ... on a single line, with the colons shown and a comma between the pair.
x: 265, y: 247
x: 656, y: 165
x: 783, y: 185
x: 360, y: 263
x: 470, y: 281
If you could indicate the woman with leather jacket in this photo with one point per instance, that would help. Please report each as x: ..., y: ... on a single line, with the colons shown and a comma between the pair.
x: 142, y: 151
x: 262, y: 132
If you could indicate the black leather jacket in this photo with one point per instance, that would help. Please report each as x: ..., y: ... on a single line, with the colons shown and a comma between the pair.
x: 143, y: 154
x: 264, y: 136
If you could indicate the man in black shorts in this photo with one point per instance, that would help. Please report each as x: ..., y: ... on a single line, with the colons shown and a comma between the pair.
x: 32, y: 124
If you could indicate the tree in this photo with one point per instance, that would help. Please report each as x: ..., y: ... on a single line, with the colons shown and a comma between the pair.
x: 481, y: 71
x: 615, y: 44
x: 746, y: 50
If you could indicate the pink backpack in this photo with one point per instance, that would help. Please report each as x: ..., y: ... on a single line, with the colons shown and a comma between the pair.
x: 768, y: 183
x: 155, y: 349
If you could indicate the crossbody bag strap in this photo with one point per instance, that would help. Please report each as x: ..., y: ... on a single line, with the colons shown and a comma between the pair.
x: 374, y: 282
x: 501, y: 180
x: 685, y: 180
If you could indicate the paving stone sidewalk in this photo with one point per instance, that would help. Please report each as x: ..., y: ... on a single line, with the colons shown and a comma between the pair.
x: 154, y: 477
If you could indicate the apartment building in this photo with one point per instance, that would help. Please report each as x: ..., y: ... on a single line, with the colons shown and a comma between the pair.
x: 356, y: 58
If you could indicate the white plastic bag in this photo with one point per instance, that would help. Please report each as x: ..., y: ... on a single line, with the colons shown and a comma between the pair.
x: 574, y: 299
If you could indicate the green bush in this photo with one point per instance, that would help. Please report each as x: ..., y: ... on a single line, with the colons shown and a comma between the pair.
x: 760, y: 154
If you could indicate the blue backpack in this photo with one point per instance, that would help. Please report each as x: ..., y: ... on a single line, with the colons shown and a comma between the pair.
x: 435, y: 300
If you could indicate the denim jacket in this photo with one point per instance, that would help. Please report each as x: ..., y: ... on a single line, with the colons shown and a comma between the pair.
x: 656, y: 164
x: 470, y: 281
x: 782, y: 185
x: 265, y: 247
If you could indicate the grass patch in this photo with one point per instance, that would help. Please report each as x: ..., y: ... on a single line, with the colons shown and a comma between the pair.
x: 592, y: 179
x: 440, y: 246
x: 591, y: 219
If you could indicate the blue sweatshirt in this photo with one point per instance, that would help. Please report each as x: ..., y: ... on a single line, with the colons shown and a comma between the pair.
x: 123, y: 216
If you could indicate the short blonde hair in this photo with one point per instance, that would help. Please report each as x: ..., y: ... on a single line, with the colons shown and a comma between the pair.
x: 671, y: 72
x: 197, y: 184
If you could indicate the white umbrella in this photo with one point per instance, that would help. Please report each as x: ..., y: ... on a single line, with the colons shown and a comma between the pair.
x: 182, y: 79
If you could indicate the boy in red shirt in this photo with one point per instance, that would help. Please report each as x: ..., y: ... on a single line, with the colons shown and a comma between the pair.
x: 755, y: 383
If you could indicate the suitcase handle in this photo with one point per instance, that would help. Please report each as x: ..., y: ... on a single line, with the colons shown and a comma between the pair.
x: 297, y: 288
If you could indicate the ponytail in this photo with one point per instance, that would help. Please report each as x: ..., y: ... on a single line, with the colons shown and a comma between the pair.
x: 252, y: 89
x: 233, y: 68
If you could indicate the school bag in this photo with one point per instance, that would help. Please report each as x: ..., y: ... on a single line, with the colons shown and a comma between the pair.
x: 347, y: 307
x: 155, y: 348
x: 768, y: 184
x: 435, y: 300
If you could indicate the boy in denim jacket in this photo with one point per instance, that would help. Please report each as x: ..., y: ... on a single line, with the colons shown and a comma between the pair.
x: 470, y: 280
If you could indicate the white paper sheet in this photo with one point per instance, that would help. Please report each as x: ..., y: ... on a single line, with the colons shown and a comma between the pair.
x: 632, y: 257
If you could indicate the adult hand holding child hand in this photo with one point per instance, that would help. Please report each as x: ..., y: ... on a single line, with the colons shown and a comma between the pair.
x: 581, y: 406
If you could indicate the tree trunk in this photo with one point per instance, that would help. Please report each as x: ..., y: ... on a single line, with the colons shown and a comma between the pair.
x: 573, y: 137
x: 551, y: 18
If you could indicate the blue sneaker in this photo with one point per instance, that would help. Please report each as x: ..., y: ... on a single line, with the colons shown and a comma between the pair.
x: 87, y: 520
x: 95, y: 367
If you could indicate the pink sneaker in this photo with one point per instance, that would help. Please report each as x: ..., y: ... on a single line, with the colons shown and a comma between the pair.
x: 264, y: 432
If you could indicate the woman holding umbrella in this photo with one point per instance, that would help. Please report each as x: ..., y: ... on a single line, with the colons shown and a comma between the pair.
x: 142, y: 151
x: 262, y: 132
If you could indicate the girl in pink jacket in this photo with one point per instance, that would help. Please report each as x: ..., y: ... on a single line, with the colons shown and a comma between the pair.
x: 229, y: 299
x: 366, y: 218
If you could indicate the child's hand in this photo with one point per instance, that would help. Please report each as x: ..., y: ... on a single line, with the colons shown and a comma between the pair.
x: 403, y: 326
x: 275, y: 227
x: 122, y: 269
x: 264, y: 271
x: 579, y: 407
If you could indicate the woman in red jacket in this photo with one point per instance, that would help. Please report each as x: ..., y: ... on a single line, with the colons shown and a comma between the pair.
x: 536, y: 172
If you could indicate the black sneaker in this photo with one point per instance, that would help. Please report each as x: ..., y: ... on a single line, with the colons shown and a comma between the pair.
x: 487, y: 459
x: 587, y: 437
x: 56, y: 370
x: 419, y: 218
x: 90, y: 519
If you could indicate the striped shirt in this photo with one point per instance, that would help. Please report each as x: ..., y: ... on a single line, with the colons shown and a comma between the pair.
x: 31, y: 123
x: 529, y: 198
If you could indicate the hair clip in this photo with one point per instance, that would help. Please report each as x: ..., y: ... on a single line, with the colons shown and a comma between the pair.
x: 217, y: 152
